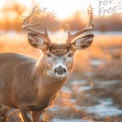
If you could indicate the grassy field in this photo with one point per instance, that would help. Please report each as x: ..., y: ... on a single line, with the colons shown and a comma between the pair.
x: 93, y: 91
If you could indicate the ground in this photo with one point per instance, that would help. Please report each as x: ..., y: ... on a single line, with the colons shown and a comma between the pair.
x: 93, y: 90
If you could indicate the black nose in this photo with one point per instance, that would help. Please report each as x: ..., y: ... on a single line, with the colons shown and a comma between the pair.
x: 60, y: 70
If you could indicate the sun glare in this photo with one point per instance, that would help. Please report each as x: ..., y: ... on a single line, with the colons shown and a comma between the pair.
x: 2, y: 2
x: 62, y: 8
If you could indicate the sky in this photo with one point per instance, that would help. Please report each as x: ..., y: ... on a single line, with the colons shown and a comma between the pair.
x: 66, y: 8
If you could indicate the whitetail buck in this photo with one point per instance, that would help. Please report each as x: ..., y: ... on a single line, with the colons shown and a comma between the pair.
x: 31, y: 85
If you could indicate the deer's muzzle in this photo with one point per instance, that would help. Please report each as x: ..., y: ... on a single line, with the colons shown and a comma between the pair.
x: 60, y: 70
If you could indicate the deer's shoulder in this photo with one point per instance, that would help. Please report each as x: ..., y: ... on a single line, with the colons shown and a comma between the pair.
x: 15, y: 57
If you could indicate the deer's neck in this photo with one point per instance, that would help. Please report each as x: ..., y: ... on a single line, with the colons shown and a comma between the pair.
x: 45, y: 82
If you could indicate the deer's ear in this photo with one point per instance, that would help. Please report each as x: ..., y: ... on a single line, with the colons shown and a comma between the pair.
x: 83, y: 42
x: 35, y: 41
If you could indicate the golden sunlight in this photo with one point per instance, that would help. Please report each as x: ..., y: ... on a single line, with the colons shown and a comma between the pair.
x: 62, y: 9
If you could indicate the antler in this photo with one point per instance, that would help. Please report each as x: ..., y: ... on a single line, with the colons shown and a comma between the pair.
x: 27, y: 26
x: 89, y: 26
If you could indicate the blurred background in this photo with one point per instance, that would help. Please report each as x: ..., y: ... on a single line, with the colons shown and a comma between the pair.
x: 94, y: 88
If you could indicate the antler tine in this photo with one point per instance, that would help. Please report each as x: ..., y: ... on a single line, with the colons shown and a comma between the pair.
x: 37, y: 32
x: 68, y: 29
x: 27, y: 27
x: 90, y: 13
x: 89, y: 26
x: 69, y: 35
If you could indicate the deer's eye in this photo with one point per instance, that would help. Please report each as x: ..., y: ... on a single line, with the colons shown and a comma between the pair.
x: 70, y: 55
x: 48, y: 55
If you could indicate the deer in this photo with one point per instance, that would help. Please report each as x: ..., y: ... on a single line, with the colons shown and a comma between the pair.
x: 31, y: 85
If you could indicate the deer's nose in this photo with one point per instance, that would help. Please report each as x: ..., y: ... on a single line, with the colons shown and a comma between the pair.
x: 60, y: 70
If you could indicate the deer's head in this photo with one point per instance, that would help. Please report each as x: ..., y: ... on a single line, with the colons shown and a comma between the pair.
x: 59, y: 57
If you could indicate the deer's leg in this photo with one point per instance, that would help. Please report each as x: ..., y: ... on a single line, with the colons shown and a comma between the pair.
x: 26, y: 115
x: 3, y: 111
x: 3, y: 119
x: 38, y: 116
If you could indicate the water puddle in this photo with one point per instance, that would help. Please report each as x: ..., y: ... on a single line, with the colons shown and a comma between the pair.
x: 107, y: 82
x: 105, y: 108
x: 71, y: 120
x: 78, y: 96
